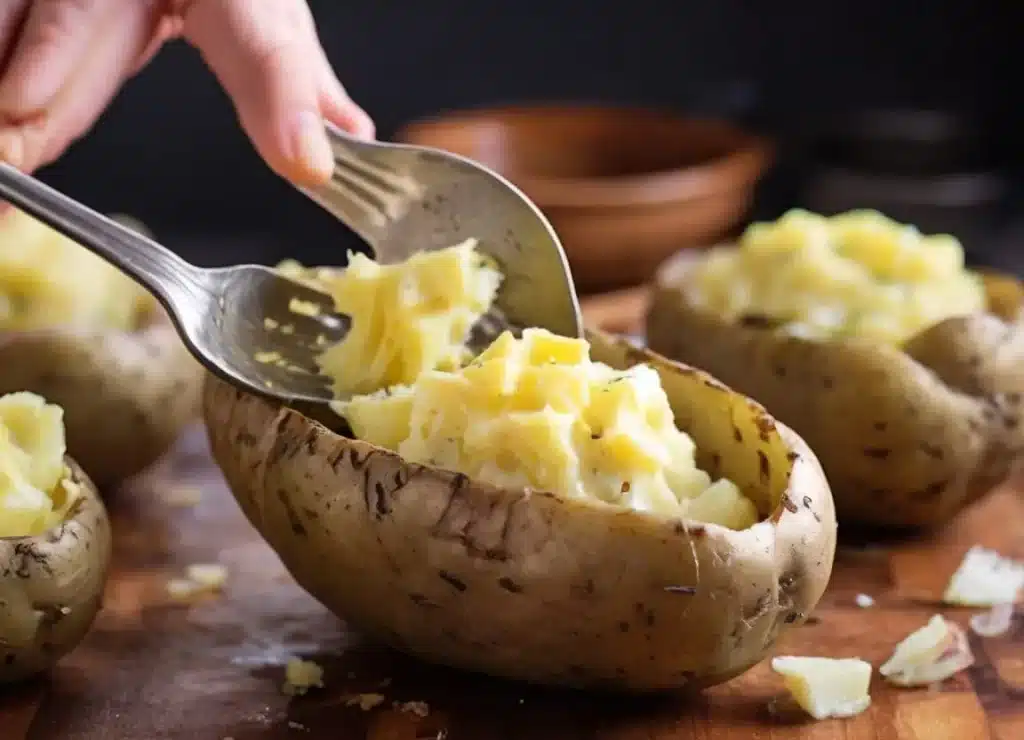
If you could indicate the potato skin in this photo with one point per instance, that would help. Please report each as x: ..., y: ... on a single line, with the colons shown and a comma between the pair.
x: 126, y: 395
x: 908, y: 437
x: 528, y: 585
x: 51, y: 585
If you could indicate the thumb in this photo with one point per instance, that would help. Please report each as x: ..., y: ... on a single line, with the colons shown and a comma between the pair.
x: 265, y: 55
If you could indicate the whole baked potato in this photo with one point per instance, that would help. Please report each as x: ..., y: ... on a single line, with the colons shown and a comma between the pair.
x: 123, y: 377
x: 51, y: 584
x: 126, y: 395
x: 908, y: 434
x: 529, y: 584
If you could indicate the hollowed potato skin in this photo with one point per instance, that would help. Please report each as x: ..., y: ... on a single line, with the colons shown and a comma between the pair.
x: 126, y: 395
x: 526, y: 584
x: 908, y: 437
x: 51, y: 585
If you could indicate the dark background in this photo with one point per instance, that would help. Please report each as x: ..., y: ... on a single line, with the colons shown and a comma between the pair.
x: 169, y: 150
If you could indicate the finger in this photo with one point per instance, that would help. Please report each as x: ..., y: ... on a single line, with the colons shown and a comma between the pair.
x: 54, y: 38
x: 12, y: 13
x: 264, y: 54
x: 169, y: 27
x: 338, y: 108
x: 93, y: 85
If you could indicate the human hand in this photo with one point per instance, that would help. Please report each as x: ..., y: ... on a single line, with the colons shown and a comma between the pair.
x: 62, y: 62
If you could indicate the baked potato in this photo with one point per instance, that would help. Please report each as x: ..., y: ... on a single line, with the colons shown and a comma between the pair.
x: 909, y: 432
x: 126, y: 382
x: 54, y: 540
x: 528, y: 584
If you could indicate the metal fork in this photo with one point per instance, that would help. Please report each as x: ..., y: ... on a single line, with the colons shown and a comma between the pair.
x: 229, y: 317
x: 241, y: 322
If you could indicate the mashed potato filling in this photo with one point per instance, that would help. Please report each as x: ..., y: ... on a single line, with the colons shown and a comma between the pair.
x: 407, y: 318
x: 48, y: 280
x: 35, y: 493
x: 536, y: 412
x: 855, y: 274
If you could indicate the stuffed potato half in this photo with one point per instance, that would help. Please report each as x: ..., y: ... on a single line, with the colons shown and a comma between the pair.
x: 126, y: 395
x: 908, y: 434
x: 51, y: 584
x: 531, y: 585
x: 86, y: 337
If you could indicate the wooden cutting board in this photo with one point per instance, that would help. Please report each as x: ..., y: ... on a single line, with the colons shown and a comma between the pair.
x: 152, y: 668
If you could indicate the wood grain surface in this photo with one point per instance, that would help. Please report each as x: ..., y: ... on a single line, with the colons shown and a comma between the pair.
x: 154, y: 668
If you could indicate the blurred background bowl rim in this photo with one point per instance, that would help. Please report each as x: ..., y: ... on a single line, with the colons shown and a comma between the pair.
x: 740, y: 168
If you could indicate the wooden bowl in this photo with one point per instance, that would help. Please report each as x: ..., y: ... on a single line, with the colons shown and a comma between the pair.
x: 625, y: 188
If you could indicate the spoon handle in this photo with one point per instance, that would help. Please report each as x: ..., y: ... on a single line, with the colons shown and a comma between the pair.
x: 157, y: 268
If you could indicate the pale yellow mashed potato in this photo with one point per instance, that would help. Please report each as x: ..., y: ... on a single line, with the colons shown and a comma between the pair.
x: 48, y: 280
x: 35, y: 493
x: 537, y: 413
x: 856, y: 274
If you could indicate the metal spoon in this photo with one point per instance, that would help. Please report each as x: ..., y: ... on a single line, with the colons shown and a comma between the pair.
x: 401, y: 199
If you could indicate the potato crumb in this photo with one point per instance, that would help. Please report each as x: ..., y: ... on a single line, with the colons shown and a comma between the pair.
x: 419, y: 708
x: 182, y: 589
x: 929, y: 655
x: 826, y: 687
x: 200, y: 578
x: 267, y: 358
x: 864, y: 601
x: 270, y: 324
x: 985, y: 578
x: 300, y: 676
x: 365, y: 702
x: 993, y: 623
x: 208, y: 575
x: 183, y: 495
x: 303, y: 308
x: 287, y: 329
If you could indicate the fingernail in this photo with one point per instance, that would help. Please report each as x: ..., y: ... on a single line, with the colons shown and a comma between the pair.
x: 12, y: 149
x: 310, y: 148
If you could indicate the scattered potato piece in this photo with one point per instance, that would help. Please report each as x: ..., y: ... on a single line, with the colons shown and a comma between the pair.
x: 985, y: 578
x: 182, y: 495
x: 209, y: 575
x: 182, y: 589
x: 200, y: 578
x: 929, y: 655
x: 418, y: 708
x: 864, y: 601
x: 366, y: 702
x: 993, y: 623
x: 826, y: 687
x: 300, y: 676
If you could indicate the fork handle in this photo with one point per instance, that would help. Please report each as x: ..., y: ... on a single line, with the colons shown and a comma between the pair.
x: 161, y: 271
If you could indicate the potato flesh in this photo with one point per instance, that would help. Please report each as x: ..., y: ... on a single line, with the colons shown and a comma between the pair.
x: 537, y: 413
x: 33, y: 494
x: 985, y: 578
x: 855, y: 274
x: 48, y: 280
x: 408, y: 318
x: 826, y: 687
x: 929, y: 655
